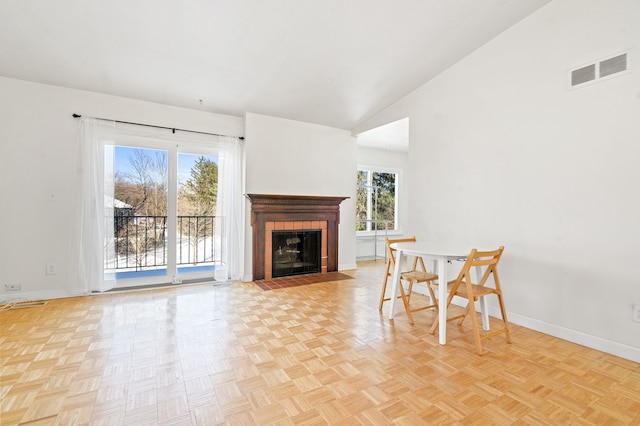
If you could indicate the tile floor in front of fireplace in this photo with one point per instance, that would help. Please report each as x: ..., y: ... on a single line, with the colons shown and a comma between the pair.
x: 298, y: 280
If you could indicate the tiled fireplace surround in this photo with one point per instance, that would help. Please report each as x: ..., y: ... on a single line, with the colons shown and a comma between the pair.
x: 294, y: 225
x: 293, y: 212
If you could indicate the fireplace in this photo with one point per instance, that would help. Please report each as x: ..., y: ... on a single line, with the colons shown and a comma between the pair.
x: 295, y: 214
x: 296, y: 252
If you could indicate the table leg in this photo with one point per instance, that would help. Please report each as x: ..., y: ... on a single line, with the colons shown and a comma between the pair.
x: 484, y: 313
x: 434, y: 266
x: 395, y: 282
x: 442, y: 300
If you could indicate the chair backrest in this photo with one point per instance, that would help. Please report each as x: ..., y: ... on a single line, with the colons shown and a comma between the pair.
x: 488, y: 259
x: 391, y: 254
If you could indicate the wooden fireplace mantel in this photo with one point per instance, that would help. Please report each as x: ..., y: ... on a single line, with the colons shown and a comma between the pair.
x: 287, y: 208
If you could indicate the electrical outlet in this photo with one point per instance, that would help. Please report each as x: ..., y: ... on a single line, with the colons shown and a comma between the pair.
x: 52, y: 269
x: 636, y: 313
x: 12, y: 287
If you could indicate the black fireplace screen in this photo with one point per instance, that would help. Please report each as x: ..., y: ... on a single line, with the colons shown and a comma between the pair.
x: 296, y: 252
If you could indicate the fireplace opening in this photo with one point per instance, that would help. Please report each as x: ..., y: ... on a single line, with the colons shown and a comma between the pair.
x: 296, y: 252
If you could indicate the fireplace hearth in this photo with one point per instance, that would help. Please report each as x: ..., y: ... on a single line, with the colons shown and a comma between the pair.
x: 272, y: 214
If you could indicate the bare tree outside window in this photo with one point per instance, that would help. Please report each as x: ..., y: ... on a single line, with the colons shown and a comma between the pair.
x: 140, y: 231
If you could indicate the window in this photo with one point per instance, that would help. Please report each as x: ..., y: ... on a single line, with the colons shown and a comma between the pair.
x: 377, y: 200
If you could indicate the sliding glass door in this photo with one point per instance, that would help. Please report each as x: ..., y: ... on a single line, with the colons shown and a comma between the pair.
x: 164, y: 213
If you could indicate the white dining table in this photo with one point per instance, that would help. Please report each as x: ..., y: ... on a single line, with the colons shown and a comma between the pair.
x: 440, y: 255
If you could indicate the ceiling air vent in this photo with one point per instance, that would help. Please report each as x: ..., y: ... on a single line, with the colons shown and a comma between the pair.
x: 599, y: 70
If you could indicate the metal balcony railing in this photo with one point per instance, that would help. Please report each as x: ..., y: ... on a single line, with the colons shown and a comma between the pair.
x: 140, y: 242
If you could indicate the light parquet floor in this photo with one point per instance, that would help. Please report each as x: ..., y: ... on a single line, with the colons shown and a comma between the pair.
x: 311, y: 355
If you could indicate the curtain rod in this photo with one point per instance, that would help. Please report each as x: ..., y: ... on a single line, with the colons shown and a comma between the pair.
x: 173, y: 129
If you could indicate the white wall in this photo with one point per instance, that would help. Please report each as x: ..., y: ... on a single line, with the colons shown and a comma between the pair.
x: 386, y: 159
x: 37, y: 152
x: 294, y: 158
x: 512, y: 157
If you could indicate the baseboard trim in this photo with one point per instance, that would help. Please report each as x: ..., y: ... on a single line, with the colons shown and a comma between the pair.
x: 347, y: 267
x: 29, y: 296
x: 594, y: 342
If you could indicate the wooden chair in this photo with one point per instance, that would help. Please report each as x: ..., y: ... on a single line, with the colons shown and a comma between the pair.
x: 417, y: 274
x: 464, y: 287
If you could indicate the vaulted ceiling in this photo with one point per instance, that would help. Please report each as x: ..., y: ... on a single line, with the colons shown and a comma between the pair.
x: 329, y: 62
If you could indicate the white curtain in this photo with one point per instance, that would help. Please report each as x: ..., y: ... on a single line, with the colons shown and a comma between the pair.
x: 230, y: 208
x: 92, y: 216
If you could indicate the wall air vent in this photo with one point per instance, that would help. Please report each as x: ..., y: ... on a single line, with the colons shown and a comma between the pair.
x: 613, y: 65
x: 600, y: 70
x: 583, y: 75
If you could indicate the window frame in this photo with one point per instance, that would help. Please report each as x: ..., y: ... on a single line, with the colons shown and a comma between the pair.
x: 132, y: 137
x: 397, y: 196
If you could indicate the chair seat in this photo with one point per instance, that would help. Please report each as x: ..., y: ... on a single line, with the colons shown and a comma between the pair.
x: 419, y: 276
x: 478, y: 290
